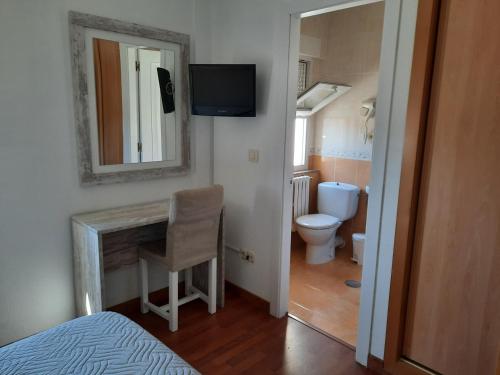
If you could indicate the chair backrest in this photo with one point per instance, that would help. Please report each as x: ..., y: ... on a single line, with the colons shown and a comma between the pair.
x: 193, y: 226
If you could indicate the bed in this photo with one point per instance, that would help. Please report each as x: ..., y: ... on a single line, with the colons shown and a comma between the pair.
x: 103, y: 343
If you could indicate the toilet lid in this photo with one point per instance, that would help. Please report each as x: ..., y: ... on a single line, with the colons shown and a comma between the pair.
x: 317, y: 221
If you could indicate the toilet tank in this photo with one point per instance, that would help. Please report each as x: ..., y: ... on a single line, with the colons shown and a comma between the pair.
x: 338, y: 199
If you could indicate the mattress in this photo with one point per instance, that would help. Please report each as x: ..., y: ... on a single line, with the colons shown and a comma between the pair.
x: 103, y: 343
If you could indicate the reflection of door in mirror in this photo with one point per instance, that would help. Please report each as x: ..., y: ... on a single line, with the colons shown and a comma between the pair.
x: 153, y: 125
x: 108, y: 100
x: 133, y: 126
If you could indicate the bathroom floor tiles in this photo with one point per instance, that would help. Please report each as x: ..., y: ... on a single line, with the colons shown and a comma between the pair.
x: 319, y: 296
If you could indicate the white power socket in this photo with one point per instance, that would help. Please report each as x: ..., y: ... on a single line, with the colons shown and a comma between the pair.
x: 248, y: 256
x: 253, y: 156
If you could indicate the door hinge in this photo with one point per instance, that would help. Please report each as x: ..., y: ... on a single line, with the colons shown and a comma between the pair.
x: 137, y: 66
x: 139, y: 147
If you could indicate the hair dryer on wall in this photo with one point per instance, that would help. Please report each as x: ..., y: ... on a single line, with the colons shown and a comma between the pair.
x: 367, y: 111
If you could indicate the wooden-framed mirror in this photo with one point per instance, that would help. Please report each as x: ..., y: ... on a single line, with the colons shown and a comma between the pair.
x: 130, y: 86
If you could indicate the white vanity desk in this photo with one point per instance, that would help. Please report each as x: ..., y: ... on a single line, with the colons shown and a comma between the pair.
x: 108, y: 239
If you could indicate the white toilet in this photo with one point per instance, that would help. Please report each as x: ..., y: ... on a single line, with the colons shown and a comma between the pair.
x: 337, y: 202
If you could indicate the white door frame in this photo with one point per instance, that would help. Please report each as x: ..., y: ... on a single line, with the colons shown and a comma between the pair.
x: 386, y: 115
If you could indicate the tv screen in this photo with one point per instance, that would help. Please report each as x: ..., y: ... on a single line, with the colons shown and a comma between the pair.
x: 222, y: 90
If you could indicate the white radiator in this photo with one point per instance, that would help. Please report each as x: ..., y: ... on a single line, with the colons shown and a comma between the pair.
x: 300, y: 197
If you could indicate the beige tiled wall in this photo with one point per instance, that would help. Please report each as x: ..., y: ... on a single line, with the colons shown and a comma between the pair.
x: 355, y: 172
x: 350, y: 54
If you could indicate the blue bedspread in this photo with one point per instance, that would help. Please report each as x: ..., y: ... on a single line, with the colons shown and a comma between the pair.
x: 103, y: 343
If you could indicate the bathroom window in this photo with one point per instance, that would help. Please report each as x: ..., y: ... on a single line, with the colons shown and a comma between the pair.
x: 300, y: 143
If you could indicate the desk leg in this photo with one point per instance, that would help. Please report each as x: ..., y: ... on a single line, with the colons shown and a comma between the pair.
x: 88, y: 270
x: 221, y: 261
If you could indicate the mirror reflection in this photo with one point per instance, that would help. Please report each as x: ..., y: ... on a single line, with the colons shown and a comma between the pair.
x: 135, y: 102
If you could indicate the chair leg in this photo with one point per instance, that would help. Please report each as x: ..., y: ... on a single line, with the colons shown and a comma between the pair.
x: 143, y: 284
x: 212, y: 285
x: 188, y: 280
x: 173, y: 300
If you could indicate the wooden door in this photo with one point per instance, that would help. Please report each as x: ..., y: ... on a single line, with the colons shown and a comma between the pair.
x: 444, y: 313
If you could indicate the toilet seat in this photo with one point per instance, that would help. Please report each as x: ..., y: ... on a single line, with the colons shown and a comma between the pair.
x: 317, y: 221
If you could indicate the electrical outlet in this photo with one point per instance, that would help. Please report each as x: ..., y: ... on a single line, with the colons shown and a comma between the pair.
x: 248, y: 256
x: 253, y: 156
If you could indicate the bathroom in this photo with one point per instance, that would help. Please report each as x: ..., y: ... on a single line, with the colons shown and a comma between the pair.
x: 334, y: 129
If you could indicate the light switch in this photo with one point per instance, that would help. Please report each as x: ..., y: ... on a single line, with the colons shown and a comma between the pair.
x: 253, y: 156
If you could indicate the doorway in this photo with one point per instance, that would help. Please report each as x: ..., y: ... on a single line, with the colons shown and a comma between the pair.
x: 338, y: 70
x: 392, y: 98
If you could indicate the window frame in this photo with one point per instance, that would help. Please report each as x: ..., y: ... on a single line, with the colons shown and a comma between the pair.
x: 306, y: 65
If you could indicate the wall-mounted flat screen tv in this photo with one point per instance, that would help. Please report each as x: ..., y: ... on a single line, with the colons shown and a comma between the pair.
x: 222, y: 89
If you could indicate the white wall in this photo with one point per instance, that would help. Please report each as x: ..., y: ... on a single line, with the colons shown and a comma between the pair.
x: 252, y: 32
x: 39, y: 189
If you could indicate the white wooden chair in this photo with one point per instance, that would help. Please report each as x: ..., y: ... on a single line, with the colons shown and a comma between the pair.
x: 192, y: 235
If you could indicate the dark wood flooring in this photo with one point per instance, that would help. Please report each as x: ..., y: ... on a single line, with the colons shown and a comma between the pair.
x: 242, y: 338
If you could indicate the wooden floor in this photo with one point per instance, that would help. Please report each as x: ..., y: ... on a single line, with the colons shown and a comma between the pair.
x: 319, y: 296
x: 242, y: 338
